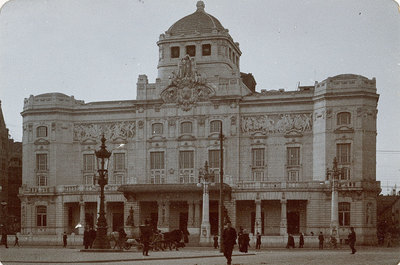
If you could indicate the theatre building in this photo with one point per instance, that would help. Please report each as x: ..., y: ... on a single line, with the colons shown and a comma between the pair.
x: 278, y: 148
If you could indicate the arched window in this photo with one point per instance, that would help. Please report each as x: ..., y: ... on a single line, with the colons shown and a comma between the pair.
x: 41, y: 216
x: 157, y: 128
x: 215, y: 126
x: 344, y: 214
x: 186, y: 127
x: 343, y: 118
x: 41, y: 131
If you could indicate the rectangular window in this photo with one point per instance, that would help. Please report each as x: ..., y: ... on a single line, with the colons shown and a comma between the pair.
x: 88, y: 162
x: 258, y: 175
x: 157, y: 128
x: 215, y: 126
x: 345, y: 174
x: 186, y: 159
x: 343, y: 118
x: 88, y: 180
x: 174, y: 52
x: 186, y: 127
x: 41, y: 180
x: 343, y: 153
x: 119, y: 161
x: 293, y: 175
x: 206, y: 49
x: 41, y: 216
x: 258, y: 157
x: 344, y: 214
x: 293, y: 156
x: 156, y: 160
x: 41, y: 162
x: 41, y: 131
x: 214, y: 158
x: 191, y: 50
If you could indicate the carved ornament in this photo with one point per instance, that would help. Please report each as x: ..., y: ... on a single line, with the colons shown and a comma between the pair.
x: 277, y: 123
x: 112, y: 130
x: 187, y: 86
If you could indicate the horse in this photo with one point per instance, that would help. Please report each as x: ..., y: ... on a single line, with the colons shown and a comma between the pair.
x: 173, y: 239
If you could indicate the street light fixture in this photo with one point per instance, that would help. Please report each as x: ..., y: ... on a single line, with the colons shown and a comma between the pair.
x: 206, y: 179
x: 333, y: 175
x: 101, y: 241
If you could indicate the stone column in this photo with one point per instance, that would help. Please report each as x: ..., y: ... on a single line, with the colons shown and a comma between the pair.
x: 166, y: 216
x: 59, y: 215
x: 283, y: 225
x: 258, y: 221
x: 205, y: 220
x: 190, y: 213
x: 81, y: 217
x: 197, y: 215
x: 161, y: 217
x: 334, y: 211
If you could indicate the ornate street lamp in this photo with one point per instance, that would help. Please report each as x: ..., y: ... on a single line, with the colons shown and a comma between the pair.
x: 222, y: 211
x: 206, y: 179
x: 101, y: 241
x: 334, y: 175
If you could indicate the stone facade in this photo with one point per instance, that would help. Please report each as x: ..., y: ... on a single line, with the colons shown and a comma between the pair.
x: 277, y: 147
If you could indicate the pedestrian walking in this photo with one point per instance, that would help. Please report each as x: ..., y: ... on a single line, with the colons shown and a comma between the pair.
x: 258, y: 241
x: 92, y: 236
x: 352, y: 240
x: 16, y: 243
x: 145, y: 237
x: 4, y: 236
x: 301, y: 242
x: 245, y: 242
x: 321, y: 240
x: 290, y: 242
x: 86, y: 238
x: 216, y: 245
x: 229, y: 240
x: 65, y: 237
x: 240, y: 237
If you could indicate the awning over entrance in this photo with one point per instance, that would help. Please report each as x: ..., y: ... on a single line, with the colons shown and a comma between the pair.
x: 172, y: 188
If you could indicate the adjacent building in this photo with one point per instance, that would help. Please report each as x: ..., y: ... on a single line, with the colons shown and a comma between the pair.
x: 278, y: 148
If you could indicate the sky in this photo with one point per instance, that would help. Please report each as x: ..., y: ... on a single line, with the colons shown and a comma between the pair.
x: 95, y: 50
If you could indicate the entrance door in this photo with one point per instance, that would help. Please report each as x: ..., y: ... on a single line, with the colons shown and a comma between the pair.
x: 214, y: 223
x: 154, y: 220
x: 293, y: 222
x: 117, y: 221
x: 183, y: 220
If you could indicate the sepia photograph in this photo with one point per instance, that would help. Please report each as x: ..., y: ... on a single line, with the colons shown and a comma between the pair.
x: 199, y: 132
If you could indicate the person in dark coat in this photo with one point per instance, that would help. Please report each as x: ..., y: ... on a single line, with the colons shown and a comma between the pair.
x: 301, y: 242
x: 216, y: 245
x: 258, y: 241
x: 4, y: 236
x: 321, y: 240
x: 65, y: 239
x: 240, y: 237
x: 145, y: 237
x: 290, y: 242
x: 86, y: 238
x: 352, y: 240
x: 229, y: 240
x: 16, y: 243
x: 245, y: 241
x: 92, y: 236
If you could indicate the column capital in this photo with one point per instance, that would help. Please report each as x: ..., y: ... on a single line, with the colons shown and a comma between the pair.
x: 283, y: 201
x: 257, y: 201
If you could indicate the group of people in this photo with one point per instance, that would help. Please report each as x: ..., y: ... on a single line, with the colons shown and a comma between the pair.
x: 89, y: 235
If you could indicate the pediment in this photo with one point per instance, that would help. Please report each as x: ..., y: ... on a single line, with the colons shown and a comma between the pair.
x: 259, y: 135
x: 41, y: 141
x: 293, y: 133
x: 119, y: 140
x: 157, y: 138
x: 89, y: 141
x: 344, y: 129
x: 186, y: 137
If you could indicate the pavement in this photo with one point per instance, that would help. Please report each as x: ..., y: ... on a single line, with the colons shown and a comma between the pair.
x: 198, y: 256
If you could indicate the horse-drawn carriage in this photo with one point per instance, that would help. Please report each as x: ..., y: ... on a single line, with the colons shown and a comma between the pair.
x: 158, y: 239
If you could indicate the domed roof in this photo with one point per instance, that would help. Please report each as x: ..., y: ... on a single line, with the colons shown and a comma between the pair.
x: 198, y: 22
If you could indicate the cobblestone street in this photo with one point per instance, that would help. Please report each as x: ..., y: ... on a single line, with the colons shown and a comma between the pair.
x: 191, y: 256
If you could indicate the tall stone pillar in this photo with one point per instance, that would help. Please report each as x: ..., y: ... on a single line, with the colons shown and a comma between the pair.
x: 283, y: 225
x: 334, y: 212
x: 258, y: 221
x: 81, y: 217
x: 166, y: 214
x: 59, y: 215
x: 161, y: 217
x: 191, y: 218
x: 197, y: 215
x: 205, y: 232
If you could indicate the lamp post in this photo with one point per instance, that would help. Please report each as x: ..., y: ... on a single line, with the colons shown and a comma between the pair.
x: 206, y: 178
x: 221, y: 189
x: 101, y: 241
x: 332, y: 175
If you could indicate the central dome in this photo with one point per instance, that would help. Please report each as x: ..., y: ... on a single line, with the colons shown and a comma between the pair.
x: 198, y: 22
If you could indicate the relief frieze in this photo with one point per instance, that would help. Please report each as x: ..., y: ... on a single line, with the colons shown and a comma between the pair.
x: 112, y: 130
x: 277, y: 123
